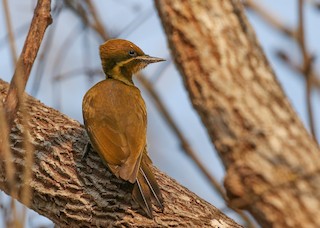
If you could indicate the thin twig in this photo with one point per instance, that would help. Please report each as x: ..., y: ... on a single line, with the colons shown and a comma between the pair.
x: 81, y: 12
x: 67, y: 75
x: 67, y: 43
x: 10, y: 33
x: 297, y: 67
x: 19, y: 31
x: 97, y: 26
x: 75, y: 73
x: 307, y: 66
x: 40, y: 21
x: 269, y: 18
x: 135, y: 23
x: 78, y: 9
x: 59, y: 60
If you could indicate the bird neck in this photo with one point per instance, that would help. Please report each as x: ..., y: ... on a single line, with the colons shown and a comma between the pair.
x: 121, y: 74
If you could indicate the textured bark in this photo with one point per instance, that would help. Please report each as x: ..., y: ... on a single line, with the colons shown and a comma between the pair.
x: 78, y: 193
x: 272, y: 162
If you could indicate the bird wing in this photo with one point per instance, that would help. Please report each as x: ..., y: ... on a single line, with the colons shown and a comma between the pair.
x: 116, y: 122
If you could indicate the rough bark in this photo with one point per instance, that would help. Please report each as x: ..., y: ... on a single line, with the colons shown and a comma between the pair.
x: 272, y: 162
x: 78, y: 193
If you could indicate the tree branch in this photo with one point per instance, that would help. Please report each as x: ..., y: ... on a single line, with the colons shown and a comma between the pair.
x: 272, y: 163
x: 81, y: 194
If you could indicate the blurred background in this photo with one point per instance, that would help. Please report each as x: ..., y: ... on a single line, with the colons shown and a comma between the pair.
x: 68, y: 64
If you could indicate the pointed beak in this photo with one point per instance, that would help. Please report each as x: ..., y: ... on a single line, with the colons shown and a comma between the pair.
x: 149, y: 59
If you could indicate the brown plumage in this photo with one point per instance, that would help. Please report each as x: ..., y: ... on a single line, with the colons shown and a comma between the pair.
x: 115, y: 118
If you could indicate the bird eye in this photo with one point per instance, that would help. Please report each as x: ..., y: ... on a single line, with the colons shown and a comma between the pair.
x: 132, y: 53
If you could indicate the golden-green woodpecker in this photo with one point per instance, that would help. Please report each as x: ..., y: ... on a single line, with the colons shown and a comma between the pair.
x: 115, y: 118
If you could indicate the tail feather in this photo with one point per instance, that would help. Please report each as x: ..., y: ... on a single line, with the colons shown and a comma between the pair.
x: 153, y: 185
x: 142, y: 195
x: 146, y: 190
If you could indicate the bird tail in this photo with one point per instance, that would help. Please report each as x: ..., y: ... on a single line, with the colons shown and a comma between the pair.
x: 146, y: 189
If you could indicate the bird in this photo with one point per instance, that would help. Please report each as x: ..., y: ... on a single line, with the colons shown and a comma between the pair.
x: 115, y: 119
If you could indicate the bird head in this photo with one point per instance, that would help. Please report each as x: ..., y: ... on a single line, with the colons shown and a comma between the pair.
x: 121, y: 59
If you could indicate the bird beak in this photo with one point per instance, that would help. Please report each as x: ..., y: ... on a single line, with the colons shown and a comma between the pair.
x: 149, y: 59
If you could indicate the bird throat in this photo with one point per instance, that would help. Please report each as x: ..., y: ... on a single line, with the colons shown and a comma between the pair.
x: 121, y: 74
x: 124, y: 70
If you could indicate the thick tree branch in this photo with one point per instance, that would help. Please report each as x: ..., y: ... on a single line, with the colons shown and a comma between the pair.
x: 272, y: 162
x: 78, y: 193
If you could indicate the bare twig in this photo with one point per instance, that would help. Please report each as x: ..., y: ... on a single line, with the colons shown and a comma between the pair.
x: 41, y: 20
x: 74, y: 73
x: 67, y: 43
x: 269, y: 18
x: 79, y: 10
x: 10, y: 33
x: 307, y: 65
x: 297, y: 67
x: 19, y: 31
x: 135, y: 23
x: 97, y: 26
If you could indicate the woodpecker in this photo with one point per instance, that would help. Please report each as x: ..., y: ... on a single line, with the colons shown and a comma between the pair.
x: 115, y: 119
